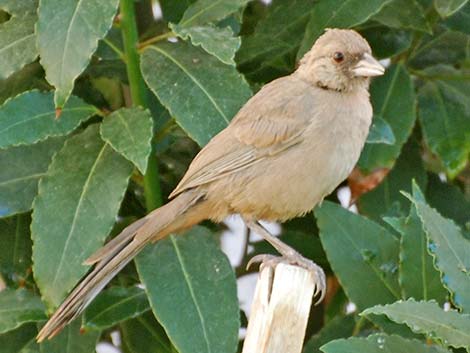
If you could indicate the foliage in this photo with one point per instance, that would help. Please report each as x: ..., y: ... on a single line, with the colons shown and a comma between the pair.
x: 102, y: 108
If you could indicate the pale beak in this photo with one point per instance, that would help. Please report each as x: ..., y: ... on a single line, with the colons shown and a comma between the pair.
x: 368, y: 66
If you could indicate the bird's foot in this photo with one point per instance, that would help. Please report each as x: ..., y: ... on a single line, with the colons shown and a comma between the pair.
x: 297, y: 260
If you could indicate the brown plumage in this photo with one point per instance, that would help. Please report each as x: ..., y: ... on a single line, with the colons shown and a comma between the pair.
x: 286, y: 149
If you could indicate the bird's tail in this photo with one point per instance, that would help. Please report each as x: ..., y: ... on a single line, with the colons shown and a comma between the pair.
x: 179, y: 214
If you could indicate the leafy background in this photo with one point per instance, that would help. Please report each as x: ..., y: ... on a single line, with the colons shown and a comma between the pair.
x: 103, y: 105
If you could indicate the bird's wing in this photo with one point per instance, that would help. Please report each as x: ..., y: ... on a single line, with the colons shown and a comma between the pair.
x: 270, y: 122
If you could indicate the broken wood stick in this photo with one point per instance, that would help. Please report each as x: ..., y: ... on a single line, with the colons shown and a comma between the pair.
x: 280, y: 310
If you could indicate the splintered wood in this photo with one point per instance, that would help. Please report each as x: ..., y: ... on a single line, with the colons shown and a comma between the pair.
x: 280, y: 309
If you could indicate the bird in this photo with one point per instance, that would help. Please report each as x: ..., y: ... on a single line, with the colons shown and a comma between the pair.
x: 288, y: 147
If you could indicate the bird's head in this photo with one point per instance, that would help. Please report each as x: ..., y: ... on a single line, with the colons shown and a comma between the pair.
x: 340, y: 60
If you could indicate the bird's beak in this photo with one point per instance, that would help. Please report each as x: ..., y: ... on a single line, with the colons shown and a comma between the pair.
x: 368, y: 66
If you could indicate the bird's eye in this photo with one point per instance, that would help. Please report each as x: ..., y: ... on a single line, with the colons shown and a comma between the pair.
x: 338, y: 57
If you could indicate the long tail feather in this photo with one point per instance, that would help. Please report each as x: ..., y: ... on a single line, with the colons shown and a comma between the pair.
x: 116, y: 254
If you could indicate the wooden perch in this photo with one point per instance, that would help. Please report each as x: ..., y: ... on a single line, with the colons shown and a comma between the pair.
x: 280, y: 309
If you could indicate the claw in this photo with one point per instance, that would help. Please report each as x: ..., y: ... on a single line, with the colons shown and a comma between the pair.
x: 294, y: 259
x: 264, y: 260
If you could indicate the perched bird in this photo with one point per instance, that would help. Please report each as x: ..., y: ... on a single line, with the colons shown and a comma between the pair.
x: 287, y: 148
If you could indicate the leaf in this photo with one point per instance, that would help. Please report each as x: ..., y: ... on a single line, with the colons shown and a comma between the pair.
x: 204, y: 11
x: 444, y: 113
x: 145, y: 335
x: 30, y: 117
x: 174, y: 10
x: 84, y: 184
x: 448, y: 199
x: 70, y: 340
x: 363, y: 255
x: 68, y: 33
x: 129, y: 131
x: 395, y: 86
x: 18, y: 307
x: 184, y: 277
x: 114, y: 305
x: 403, y: 14
x: 19, y: 340
x: 460, y: 21
x: 23, y: 80
x: 270, y: 51
x: 199, y: 91
x: 417, y: 276
x: 327, y: 14
x: 17, y: 38
x: 339, y: 327
x: 386, y: 41
x: 380, y: 132
x: 380, y: 343
x: 219, y: 42
x: 15, y: 252
x: 452, y: 328
x: 386, y: 197
x: 448, y: 7
x: 450, y: 249
x: 445, y: 48
x: 19, y: 182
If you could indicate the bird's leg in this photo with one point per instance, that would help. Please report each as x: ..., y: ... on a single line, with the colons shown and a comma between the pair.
x: 289, y: 255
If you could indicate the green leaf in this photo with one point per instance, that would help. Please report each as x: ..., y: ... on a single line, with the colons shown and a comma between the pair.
x: 380, y: 343
x: 84, y: 184
x: 184, y: 277
x: 23, y: 80
x: 460, y: 21
x: 19, y: 340
x: 114, y: 305
x: 15, y: 252
x: 380, y: 132
x: 339, y: 327
x: 448, y: 199
x: 417, y: 275
x: 30, y: 117
x: 173, y: 10
x: 270, y: 51
x: 395, y: 86
x: 452, y: 328
x: 450, y: 249
x: 448, y: 7
x: 71, y: 340
x: 18, y: 307
x: 445, y: 48
x: 330, y: 14
x: 362, y: 254
x: 19, y: 182
x: 129, y: 131
x: 145, y: 335
x: 403, y: 14
x: 204, y: 11
x: 386, y: 197
x: 219, y: 42
x: 17, y: 38
x: 444, y: 113
x: 68, y: 33
x: 199, y: 91
x: 385, y: 41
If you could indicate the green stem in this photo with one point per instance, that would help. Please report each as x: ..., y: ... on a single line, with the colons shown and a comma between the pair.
x: 153, y: 197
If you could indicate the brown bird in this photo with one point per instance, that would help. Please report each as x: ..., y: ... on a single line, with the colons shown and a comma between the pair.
x: 287, y: 148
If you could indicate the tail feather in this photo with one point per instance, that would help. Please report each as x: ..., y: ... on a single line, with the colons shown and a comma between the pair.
x: 111, y: 258
x: 87, y: 290
x: 115, y: 243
